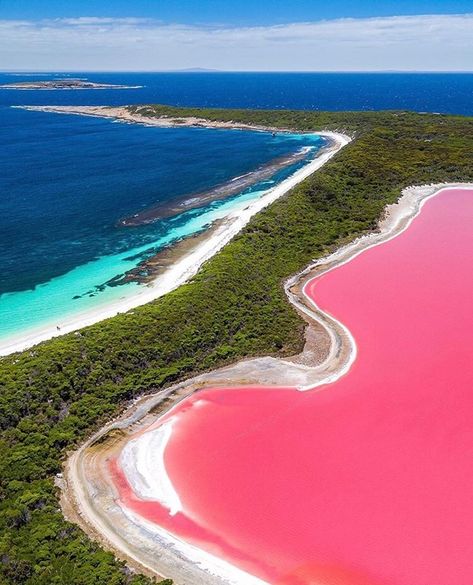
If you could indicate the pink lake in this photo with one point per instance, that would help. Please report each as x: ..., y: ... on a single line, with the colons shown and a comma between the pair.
x: 366, y: 481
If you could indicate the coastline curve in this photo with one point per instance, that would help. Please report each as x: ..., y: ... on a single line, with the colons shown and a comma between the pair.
x: 85, y: 497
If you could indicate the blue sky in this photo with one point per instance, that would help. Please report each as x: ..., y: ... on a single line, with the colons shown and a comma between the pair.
x: 236, y: 35
x: 230, y: 12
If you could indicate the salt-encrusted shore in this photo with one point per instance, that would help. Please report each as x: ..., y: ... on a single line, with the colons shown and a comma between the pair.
x: 88, y: 496
x: 186, y: 265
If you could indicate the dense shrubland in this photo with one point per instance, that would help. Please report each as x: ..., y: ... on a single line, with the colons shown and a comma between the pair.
x: 54, y: 395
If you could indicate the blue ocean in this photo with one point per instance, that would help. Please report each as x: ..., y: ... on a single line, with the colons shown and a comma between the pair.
x: 66, y: 181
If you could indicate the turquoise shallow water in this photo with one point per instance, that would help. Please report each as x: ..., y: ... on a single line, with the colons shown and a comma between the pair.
x: 66, y: 181
x: 56, y: 300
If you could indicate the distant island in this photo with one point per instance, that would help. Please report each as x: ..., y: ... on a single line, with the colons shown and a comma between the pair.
x: 195, y: 70
x: 65, y: 84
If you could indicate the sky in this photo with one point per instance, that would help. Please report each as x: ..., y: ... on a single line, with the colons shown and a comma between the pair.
x: 247, y: 35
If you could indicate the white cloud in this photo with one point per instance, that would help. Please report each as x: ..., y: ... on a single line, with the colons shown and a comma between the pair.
x: 91, y: 20
x: 432, y: 42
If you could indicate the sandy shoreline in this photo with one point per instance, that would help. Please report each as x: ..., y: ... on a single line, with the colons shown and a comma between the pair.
x: 88, y: 498
x: 189, y: 263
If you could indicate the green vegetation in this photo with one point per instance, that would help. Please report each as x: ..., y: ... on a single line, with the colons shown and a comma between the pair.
x: 53, y: 396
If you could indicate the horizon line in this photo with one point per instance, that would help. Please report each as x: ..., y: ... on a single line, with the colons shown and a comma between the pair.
x: 199, y: 70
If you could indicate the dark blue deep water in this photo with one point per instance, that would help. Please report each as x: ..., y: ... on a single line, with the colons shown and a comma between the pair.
x: 65, y: 181
x: 421, y: 92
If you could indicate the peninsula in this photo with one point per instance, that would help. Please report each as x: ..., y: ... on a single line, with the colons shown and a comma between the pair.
x: 173, y: 266
x: 161, y: 116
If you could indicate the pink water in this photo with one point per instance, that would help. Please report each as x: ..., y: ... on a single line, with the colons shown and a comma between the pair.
x: 367, y: 481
